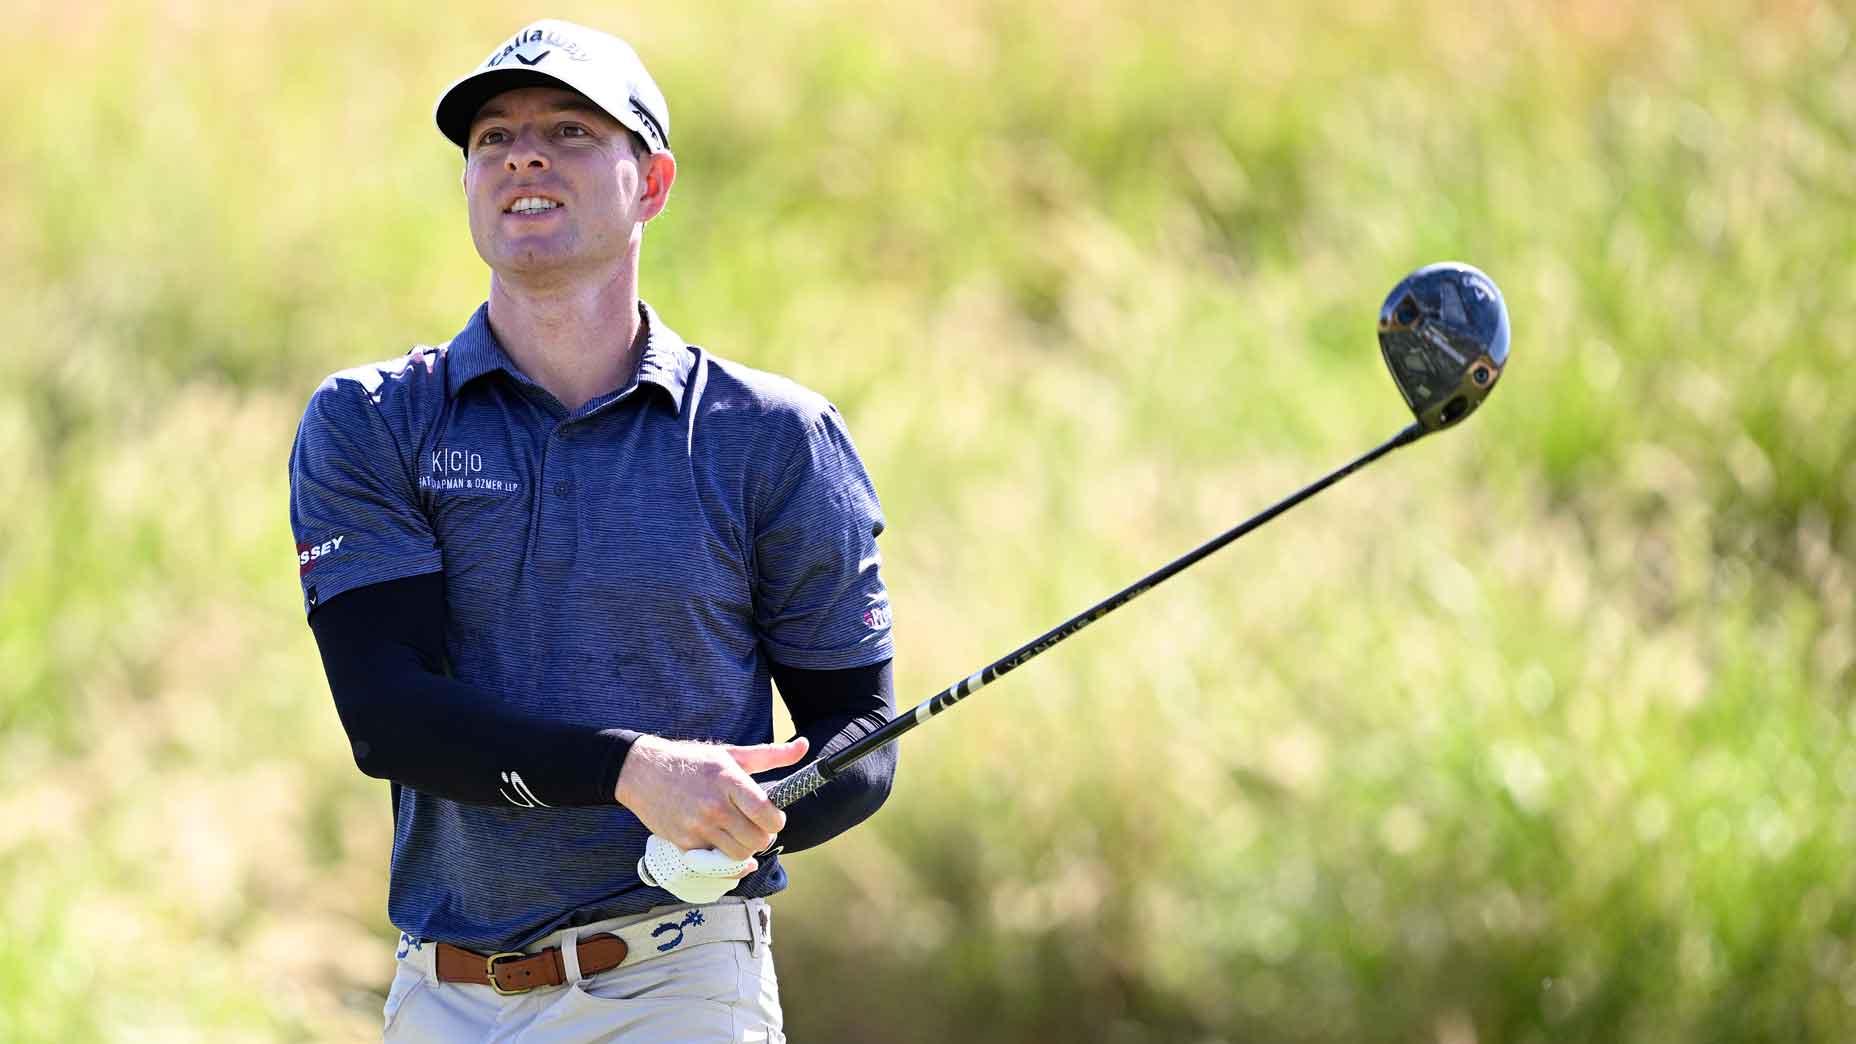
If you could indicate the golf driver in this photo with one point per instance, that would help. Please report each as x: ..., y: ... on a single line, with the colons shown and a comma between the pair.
x: 1444, y: 333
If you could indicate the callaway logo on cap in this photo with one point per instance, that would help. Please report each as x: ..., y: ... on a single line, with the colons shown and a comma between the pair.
x: 553, y: 53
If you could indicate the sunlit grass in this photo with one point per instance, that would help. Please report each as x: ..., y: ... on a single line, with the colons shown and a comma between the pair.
x: 1538, y: 730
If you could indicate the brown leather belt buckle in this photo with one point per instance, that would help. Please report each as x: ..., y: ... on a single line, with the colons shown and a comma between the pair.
x: 489, y: 971
x: 501, y: 971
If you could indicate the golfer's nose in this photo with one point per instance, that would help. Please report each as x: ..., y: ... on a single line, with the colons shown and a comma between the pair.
x: 526, y: 153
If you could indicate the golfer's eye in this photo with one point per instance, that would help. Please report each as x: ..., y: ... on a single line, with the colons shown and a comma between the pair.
x: 492, y: 137
x: 572, y: 130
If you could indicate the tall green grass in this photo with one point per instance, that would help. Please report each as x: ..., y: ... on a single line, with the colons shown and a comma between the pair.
x: 1539, y: 730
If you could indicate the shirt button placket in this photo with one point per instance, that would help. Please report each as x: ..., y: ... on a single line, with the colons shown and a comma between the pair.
x: 560, y: 522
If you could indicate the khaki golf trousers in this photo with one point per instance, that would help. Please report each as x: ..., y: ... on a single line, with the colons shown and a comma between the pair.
x: 705, y: 991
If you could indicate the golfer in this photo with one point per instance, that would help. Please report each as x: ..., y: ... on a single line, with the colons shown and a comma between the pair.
x: 554, y: 567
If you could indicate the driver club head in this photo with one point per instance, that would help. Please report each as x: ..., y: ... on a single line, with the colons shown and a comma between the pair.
x: 1444, y: 333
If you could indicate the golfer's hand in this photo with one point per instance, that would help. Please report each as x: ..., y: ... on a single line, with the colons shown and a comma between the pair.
x: 699, y: 795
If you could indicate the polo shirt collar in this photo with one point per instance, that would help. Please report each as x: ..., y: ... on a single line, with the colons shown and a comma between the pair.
x: 474, y: 352
x: 667, y: 361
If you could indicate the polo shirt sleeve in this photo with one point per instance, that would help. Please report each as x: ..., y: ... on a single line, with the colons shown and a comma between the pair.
x: 353, y: 504
x: 820, y: 603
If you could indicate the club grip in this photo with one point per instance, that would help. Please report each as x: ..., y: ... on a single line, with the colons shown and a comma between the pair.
x: 797, y: 785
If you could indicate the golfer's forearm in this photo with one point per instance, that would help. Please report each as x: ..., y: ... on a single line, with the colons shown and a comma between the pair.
x: 383, y: 651
x: 454, y: 741
x: 834, y: 709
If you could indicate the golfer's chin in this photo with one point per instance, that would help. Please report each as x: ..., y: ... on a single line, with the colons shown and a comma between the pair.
x: 533, y: 255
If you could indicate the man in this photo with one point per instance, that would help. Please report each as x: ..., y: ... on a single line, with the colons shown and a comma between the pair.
x: 552, y: 566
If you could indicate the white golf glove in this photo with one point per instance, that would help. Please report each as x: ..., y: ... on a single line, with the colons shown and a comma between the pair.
x: 700, y: 876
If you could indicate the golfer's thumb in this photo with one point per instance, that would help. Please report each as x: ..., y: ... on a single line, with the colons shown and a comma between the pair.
x: 764, y: 756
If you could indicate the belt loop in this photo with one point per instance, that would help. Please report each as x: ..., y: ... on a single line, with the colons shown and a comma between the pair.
x: 747, y: 909
x: 570, y: 958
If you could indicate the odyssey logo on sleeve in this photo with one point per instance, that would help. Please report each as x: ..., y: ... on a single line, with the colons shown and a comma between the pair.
x: 459, y: 469
x: 307, y: 555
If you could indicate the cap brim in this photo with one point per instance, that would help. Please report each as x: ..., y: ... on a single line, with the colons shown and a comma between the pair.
x: 458, y: 106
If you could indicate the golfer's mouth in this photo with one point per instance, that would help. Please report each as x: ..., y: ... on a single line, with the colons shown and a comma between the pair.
x: 532, y: 205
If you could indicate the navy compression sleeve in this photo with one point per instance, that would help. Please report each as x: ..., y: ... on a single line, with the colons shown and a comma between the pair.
x: 383, y: 648
x: 833, y: 709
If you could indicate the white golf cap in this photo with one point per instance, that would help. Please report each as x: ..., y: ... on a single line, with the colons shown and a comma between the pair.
x: 553, y: 53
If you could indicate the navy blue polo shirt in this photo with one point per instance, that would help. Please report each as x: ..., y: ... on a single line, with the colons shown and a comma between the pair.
x: 635, y: 563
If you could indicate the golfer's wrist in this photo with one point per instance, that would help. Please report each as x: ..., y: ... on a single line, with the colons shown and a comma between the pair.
x: 614, y: 768
x: 622, y: 773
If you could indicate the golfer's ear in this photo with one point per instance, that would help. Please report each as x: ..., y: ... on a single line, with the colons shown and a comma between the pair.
x: 659, y: 171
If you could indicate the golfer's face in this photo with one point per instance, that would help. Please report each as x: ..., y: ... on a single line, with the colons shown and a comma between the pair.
x: 552, y: 182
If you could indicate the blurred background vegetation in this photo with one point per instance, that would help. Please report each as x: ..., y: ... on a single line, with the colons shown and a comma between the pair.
x: 1540, y: 730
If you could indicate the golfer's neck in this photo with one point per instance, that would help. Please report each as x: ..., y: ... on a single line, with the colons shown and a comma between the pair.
x: 574, y: 337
